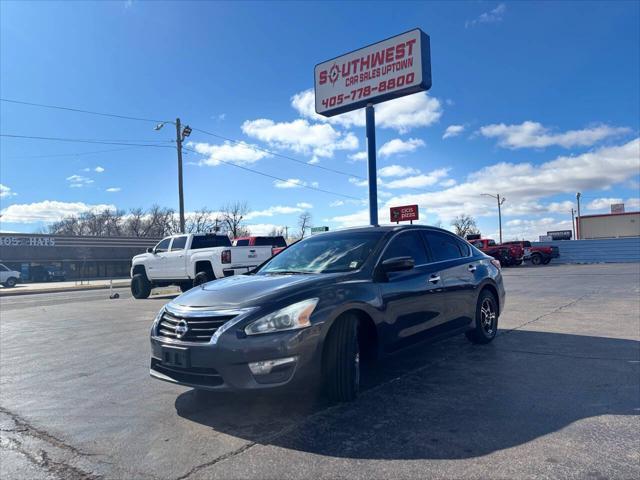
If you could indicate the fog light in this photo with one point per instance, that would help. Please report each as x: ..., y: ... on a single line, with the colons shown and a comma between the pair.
x: 264, y: 367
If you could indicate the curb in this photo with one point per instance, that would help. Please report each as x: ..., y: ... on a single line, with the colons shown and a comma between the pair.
x: 14, y: 293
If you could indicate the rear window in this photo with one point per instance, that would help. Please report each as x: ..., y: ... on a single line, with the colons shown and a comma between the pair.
x: 208, y: 241
x: 443, y: 246
x: 242, y: 243
x: 270, y: 241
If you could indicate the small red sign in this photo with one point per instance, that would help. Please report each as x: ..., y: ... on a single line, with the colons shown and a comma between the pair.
x: 402, y: 214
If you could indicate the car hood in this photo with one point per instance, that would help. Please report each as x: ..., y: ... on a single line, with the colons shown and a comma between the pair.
x: 243, y: 291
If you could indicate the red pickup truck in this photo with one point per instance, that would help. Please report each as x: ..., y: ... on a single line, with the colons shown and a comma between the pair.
x: 507, y: 254
x: 277, y: 243
x: 537, y: 255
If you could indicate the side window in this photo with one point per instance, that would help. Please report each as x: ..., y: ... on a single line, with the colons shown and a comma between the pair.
x: 443, y: 246
x: 3, y: 268
x: 179, y: 243
x: 279, y: 242
x: 163, y: 246
x: 464, y: 248
x: 407, y: 244
x: 479, y: 244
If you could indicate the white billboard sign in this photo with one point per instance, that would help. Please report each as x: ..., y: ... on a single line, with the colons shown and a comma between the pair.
x: 392, y: 68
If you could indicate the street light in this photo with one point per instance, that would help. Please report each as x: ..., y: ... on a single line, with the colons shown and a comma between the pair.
x: 500, y: 202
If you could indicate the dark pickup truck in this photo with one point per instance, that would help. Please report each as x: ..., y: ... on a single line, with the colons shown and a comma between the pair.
x: 508, y: 255
x: 537, y: 255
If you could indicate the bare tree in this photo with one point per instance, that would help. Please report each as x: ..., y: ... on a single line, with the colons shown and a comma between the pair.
x: 465, y: 225
x: 232, y: 215
x: 277, y: 232
x: 203, y: 220
x: 304, y: 222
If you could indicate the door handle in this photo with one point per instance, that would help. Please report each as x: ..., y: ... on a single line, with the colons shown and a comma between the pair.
x: 472, y: 268
x: 434, y: 278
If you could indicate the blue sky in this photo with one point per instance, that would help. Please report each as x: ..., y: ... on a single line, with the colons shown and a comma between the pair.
x: 533, y: 100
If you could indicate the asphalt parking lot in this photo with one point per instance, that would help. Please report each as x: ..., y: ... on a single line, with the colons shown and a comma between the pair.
x: 556, y: 395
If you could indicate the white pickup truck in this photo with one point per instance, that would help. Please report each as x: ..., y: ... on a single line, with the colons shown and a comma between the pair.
x: 190, y: 260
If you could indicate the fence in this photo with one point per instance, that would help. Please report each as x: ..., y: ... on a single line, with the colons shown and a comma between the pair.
x: 612, y: 250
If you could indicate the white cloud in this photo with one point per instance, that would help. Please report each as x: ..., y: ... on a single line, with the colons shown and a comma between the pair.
x: 78, y: 181
x: 305, y: 205
x: 419, y: 181
x: 6, y: 191
x: 359, y: 156
x: 98, y: 169
x: 336, y: 203
x: 492, y: 16
x: 534, y: 135
x: 453, y: 131
x: 450, y: 182
x: 397, y: 146
x: 113, y: 189
x: 263, y: 228
x: 358, y: 182
x: 238, y: 153
x: 397, y: 171
x: 401, y: 114
x: 630, y: 204
x: 523, y: 185
x: 48, y: 211
x: 271, y: 211
x: 320, y: 140
x: 294, y: 183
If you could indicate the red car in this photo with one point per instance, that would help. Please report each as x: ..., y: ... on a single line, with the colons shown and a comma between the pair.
x: 538, y: 255
x: 507, y: 254
x: 277, y: 243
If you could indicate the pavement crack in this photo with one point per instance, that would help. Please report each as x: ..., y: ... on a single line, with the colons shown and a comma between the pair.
x: 219, y: 459
x: 564, y: 355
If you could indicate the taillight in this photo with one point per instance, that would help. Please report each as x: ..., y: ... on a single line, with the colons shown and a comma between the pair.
x: 496, y: 263
x: 225, y: 257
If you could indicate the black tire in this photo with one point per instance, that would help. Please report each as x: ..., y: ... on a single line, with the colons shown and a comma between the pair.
x: 10, y: 282
x: 536, y: 259
x: 546, y: 261
x: 140, y: 286
x: 486, y: 319
x: 519, y: 262
x: 342, y: 360
x: 185, y: 286
x: 200, y: 278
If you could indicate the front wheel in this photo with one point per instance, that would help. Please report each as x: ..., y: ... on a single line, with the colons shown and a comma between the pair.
x: 536, y: 259
x: 342, y: 360
x: 10, y: 282
x: 486, y: 319
x: 140, y: 286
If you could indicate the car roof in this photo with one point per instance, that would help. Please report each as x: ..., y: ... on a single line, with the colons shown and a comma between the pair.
x: 388, y: 228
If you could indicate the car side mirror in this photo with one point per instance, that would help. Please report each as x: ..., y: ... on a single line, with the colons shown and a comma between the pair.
x: 397, y: 264
x: 150, y: 250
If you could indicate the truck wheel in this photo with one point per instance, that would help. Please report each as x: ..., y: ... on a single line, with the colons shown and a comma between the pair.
x: 486, y: 319
x: 10, y: 282
x: 546, y: 261
x: 200, y: 278
x: 536, y: 259
x: 519, y: 262
x: 342, y: 360
x: 140, y: 286
x: 185, y: 286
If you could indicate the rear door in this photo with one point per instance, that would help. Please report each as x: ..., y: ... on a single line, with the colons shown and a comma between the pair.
x: 413, y: 299
x: 454, y: 260
x: 175, y: 259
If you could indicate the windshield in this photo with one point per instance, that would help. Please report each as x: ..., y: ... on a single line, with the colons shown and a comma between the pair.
x: 341, y: 252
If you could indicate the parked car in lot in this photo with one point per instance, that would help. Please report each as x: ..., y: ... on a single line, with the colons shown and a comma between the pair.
x: 508, y: 255
x: 277, y: 242
x: 8, y: 277
x: 191, y: 260
x: 47, y: 273
x: 540, y: 255
x: 325, y: 306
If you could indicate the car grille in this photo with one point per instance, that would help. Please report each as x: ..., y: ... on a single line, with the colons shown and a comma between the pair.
x: 200, y: 329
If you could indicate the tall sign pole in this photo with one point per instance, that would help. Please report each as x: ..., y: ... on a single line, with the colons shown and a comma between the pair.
x: 372, y: 171
x: 578, y: 233
x: 392, y: 68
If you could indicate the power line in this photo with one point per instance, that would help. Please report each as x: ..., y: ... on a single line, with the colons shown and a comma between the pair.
x: 279, y: 178
x: 76, y: 154
x: 270, y: 152
x: 100, y: 142
x: 79, y: 110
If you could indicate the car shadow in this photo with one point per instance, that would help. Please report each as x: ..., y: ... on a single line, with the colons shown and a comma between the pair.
x: 448, y: 400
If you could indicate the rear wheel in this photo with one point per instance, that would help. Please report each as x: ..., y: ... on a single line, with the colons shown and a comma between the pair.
x: 536, y: 259
x: 546, y: 261
x: 342, y: 360
x: 486, y: 319
x: 140, y: 286
x: 185, y: 286
x: 10, y: 282
x: 200, y: 278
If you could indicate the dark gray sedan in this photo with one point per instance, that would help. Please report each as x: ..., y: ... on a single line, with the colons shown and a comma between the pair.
x: 325, y: 306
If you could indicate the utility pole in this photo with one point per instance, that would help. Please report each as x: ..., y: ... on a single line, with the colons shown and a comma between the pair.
x: 573, y: 222
x: 180, y: 191
x: 578, y: 195
x: 372, y: 170
x: 500, y: 200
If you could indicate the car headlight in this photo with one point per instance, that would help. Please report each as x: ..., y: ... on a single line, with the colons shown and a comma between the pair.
x: 292, y: 317
x: 158, y: 318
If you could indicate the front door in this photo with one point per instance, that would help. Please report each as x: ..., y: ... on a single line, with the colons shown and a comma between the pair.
x: 175, y: 261
x: 412, y: 299
x: 157, y: 262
